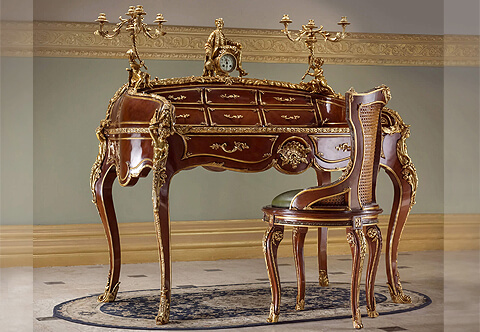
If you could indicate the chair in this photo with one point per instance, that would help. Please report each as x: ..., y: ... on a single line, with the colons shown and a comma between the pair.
x: 349, y: 202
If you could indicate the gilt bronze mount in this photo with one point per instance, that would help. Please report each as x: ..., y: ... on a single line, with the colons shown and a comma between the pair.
x: 310, y: 32
x: 135, y: 26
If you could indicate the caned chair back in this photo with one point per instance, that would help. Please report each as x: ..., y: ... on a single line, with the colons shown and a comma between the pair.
x: 363, y: 114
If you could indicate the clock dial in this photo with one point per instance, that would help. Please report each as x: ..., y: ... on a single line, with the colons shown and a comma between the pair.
x: 227, y: 63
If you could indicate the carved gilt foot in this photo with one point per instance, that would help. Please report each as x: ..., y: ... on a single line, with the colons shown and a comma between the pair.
x: 163, y: 316
x: 300, y: 305
x: 357, y: 320
x: 323, y: 278
x: 272, y: 317
x: 109, y: 295
x: 397, y: 294
x: 372, y: 313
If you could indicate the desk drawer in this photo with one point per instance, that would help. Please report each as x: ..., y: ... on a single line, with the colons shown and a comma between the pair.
x: 194, y: 116
x: 183, y: 96
x: 332, y: 151
x: 277, y: 98
x: 234, y: 117
x: 291, y: 117
x: 220, y: 96
x: 241, y: 148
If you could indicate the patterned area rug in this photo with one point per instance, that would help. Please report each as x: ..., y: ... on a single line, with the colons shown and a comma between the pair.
x: 225, y: 306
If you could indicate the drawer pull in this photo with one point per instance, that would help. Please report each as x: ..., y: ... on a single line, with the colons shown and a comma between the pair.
x: 290, y: 117
x: 232, y: 96
x: 237, y: 146
x: 171, y: 97
x: 286, y: 100
x: 233, y: 116
x: 343, y: 147
x: 184, y: 116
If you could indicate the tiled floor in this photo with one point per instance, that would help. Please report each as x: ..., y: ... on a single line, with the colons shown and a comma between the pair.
x: 450, y: 279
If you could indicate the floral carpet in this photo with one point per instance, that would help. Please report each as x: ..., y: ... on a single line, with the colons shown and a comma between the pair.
x: 226, y: 306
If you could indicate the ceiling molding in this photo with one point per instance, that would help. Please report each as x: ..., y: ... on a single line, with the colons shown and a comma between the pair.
x: 62, y: 39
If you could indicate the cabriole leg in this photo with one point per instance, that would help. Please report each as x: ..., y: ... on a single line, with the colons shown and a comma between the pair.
x: 106, y: 210
x: 298, y: 240
x: 356, y: 240
x: 162, y: 228
x: 323, y: 178
x: 322, y: 257
x: 271, y: 241
x: 374, y: 241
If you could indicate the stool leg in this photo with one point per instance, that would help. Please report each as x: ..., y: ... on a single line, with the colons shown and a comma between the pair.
x: 374, y: 240
x: 322, y: 256
x: 298, y: 240
x: 271, y: 241
x: 358, y: 246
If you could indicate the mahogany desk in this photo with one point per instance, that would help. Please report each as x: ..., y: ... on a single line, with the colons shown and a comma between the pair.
x: 246, y: 125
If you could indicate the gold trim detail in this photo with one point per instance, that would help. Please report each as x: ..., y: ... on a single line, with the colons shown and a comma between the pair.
x: 393, y: 123
x: 109, y: 296
x: 54, y: 39
x: 323, y: 278
x: 230, y: 116
x: 179, y: 98
x: 343, y: 147
x: 95, y: 173
x: 293, y: 117
x: 285, y: 100
x: 232, y: 96
x: 237, y: 146
x: 294, y: 153
x: 186, y: 129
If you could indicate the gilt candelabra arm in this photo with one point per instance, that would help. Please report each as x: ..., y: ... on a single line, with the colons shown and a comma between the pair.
x: 134, y: 26
x: 339, y: 35
x: 310, y: 30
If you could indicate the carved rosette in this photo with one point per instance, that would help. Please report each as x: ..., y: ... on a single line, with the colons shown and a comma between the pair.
x: 393, y: 123
x: 294, y: 153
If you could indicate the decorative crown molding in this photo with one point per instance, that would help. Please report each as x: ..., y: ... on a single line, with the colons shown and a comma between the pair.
x: 62, y: 39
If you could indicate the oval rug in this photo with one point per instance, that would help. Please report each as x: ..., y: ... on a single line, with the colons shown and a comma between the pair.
x: 226, y: 306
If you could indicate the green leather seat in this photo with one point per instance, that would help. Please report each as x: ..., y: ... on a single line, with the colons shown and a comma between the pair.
x: 284, y: 199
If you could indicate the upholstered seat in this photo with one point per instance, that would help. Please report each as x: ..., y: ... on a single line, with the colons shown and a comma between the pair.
x: 349, y: 202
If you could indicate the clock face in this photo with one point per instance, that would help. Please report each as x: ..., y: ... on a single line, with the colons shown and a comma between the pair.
x: 227, y: 63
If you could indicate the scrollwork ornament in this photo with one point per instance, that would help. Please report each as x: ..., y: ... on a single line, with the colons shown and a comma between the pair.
x: 294, y: 153
x: 393, y: 123
x: 96, y: 170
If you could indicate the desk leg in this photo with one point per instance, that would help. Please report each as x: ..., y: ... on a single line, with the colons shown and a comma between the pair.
x: 402, y: 172
x: 162, y: 228
x: 322, y: 179
x: 104, y: 203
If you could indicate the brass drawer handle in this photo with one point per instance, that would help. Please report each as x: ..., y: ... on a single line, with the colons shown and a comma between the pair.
x: 290, y: 117
x: 237, y: 146
x: 343, y: 147
x: 186, y: 115
x: 232, y: 96
x: 287, y: 100
x: 171, y: 97
x: 235, y: 116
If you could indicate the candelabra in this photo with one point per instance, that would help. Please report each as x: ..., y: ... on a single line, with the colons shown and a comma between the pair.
x: 135, y: 26
x: 310, y: 32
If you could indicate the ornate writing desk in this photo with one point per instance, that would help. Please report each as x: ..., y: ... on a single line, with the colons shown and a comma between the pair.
x: 236, y: 124
x: 227, y: 123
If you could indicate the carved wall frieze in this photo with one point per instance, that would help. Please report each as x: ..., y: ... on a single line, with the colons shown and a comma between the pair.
x: 61, y: 39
